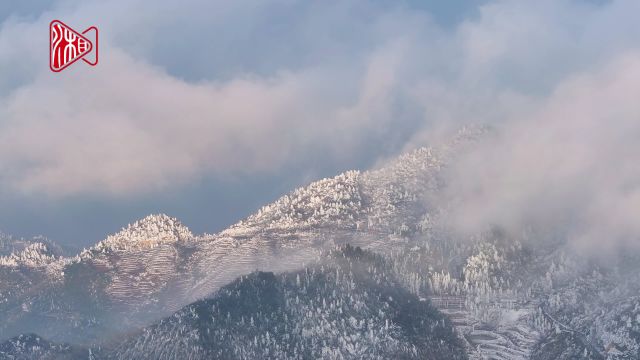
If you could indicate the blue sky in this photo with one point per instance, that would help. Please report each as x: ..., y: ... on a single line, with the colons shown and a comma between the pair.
x: 207, y: 110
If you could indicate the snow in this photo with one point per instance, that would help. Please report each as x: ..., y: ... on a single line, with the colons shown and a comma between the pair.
x: 33, y: 256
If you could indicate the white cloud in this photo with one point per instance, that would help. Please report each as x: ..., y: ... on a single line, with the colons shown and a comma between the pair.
x: 562, y: 96
x: 569, y: 167
x: 128, y: 126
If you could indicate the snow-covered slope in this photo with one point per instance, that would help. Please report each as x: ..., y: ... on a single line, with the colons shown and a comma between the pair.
x: 328, y: 203
x: 348, y: 306
x: 33, y: 255
x: 147, y: 233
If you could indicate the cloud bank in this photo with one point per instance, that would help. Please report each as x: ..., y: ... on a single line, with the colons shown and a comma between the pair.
x: 569, y: 167
x: 139, y: 122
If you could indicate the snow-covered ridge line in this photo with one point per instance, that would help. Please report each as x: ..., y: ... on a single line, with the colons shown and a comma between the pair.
x: 10, y: 244
x: 34, y: 255
x: 339, y: 201
x: 335, y: 202
x: 145, y: 233
x: 330, y: 201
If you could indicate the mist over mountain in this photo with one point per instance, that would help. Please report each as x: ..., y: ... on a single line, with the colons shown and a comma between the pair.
x: 155, y: 266
x: 422, y: 287
x: 348, y: 306
x: 519, y: 292
x: 364, y: 179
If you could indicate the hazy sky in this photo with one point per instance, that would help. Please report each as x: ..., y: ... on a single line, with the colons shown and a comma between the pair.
x: 208, y: 109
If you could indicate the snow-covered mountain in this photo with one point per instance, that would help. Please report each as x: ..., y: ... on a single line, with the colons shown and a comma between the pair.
x: 10, y: 245
x: 33, y: 255
x: 509, y: 295
x: 147, y: 233
x: 156, y: 265
x: 349, y: 305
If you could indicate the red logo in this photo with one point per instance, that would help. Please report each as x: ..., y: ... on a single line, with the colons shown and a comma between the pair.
x: 67, y: 46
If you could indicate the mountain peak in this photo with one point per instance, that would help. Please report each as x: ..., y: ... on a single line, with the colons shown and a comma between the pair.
x: 153, y: 219
x: 147, y: 232
x: 34, y: 255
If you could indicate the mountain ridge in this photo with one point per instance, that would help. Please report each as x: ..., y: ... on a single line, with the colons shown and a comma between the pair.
x: 504, y: 291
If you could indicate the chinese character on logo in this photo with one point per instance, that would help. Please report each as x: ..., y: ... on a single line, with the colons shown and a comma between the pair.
x: 68, y: 46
